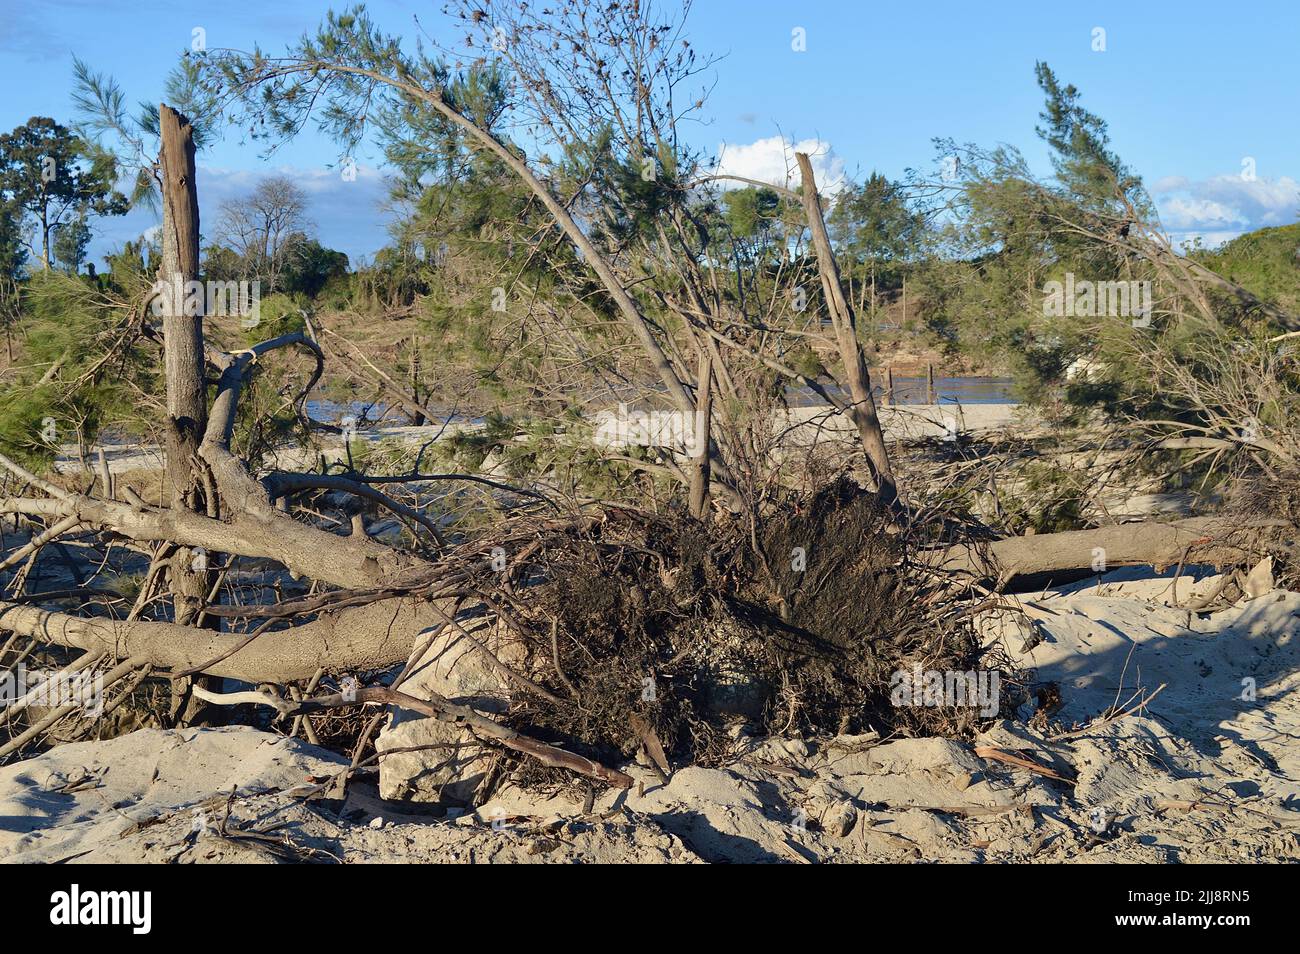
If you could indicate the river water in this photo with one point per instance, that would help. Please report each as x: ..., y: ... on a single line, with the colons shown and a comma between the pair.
x: 907, y: 390
x: 959, y: 390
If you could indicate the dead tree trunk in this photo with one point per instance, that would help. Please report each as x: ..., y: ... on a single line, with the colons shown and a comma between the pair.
x: 418, y: 418
x: 1204, y: 540
x: 700, y: 476
x: 187, y: 406
x: 189, y: 573
x: 863, y: 410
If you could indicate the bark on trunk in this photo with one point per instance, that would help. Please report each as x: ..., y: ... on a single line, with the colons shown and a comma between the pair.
x: 187, y: 405
x: 45, y: 240
x: 189, y: 573
x: 187, y: 408
x: 358, y: 639
x: 305, y: 550
x: 1212, y: 540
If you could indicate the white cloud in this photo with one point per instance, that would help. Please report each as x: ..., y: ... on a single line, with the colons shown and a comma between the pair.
x: 1170, y: 184
x: 1223, y: 207
x: 772, y: 160
x: 1185, y: 212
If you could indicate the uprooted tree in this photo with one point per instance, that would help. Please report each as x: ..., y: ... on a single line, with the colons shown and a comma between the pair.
x: 787, y: 601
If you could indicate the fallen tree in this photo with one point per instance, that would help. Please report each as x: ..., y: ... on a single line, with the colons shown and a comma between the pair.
x: 619, y: 628
x: 356, y: 639
x: 1219, y: 540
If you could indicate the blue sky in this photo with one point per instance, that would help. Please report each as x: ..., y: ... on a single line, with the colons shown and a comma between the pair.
x: 1192, y: 91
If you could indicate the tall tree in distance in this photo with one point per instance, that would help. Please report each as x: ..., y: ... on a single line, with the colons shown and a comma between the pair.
x: 266, y: 227
x: 53, y: 177
x: 874, y: 229
x: 70, y: 243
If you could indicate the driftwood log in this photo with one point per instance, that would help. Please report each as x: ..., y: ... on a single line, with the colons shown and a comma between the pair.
x: 357, y: 639
x: 1205, y: 540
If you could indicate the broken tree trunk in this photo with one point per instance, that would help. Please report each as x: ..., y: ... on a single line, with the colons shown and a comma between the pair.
x: 190, y: 576
x: 357, y: 639
x: 187, y: 406
x: 699, y: 489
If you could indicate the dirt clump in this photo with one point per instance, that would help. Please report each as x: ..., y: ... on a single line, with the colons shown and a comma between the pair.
x: 652, y: 630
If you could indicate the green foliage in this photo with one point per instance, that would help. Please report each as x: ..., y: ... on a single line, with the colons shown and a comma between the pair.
x: 13, y: 256
x: 633, y: 190
x: 750, y: 212
x: 337, y: 293
x: 278, y: 314
x: 53, y: 177
x: 467, y: 449
x: 499, y: 291
x: 559, y: 450
x: 874, y: 228
x: 13, y: 260
x: 982, y: 286
x: 805, y: 360
x: 756, y: 223
x: 1049, y: 499
x: 70, y: 243
x: 132, y: 267
x: 130, y: 142
x: 1265, y: 262
x: 311, y: 266
x: 97, y: 373
x: 470, y: 253
x: 396, y: 277
x: 222, y: 264
x: 1081, y: 155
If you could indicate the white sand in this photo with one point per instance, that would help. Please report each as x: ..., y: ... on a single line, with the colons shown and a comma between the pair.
x: 1202, y: 775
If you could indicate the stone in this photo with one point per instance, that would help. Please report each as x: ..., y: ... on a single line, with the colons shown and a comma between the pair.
x: 450, y: 764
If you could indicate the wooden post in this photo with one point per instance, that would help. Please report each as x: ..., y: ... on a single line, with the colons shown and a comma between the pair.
x: 931, y: 397
x: 889, y: 385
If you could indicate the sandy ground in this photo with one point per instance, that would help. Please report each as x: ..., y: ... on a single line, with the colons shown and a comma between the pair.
x: 1206, y: 772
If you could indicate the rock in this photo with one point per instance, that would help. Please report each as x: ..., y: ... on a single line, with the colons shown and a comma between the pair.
x: 840, y: 820
x: 1259, y: 580
x: 450, y: 764
x: 832, y: 807
x: 905, y: 755
x: 912, y: 772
